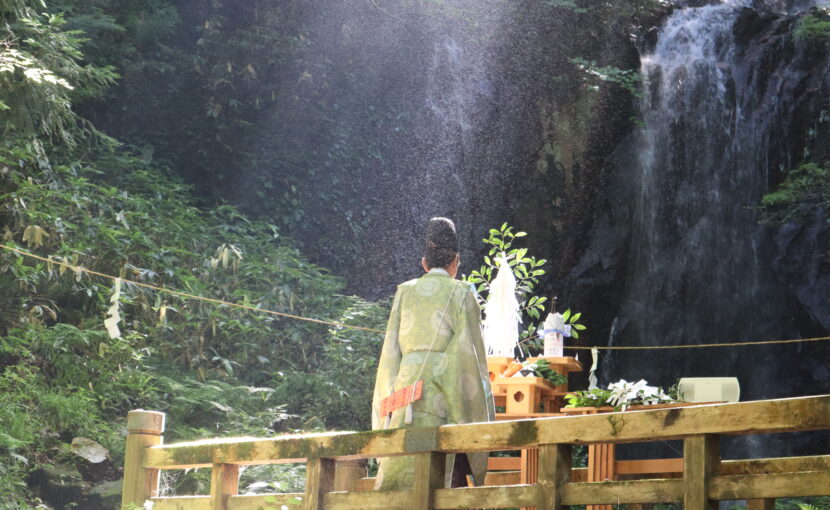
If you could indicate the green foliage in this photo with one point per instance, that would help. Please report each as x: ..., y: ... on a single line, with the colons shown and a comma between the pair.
x: 527, y: 271
x: 572, y: 320
x: 596, y: 397
x: 214, y: 369
x: 804, y: 189
x: 628, y: 79
x: 40, y: 66
x: 280, y: 478
x: 349, y: 366
x: 214, y: 87
x: 210, y: 367
x: 816, y: 503
x: 49, y: 398
x: 542, y: 369
x: 141, y: 225
x: 630, y: 10
x: 340, y: 390
x: 620, y: 395
x: 122, y: 33
x: 569, y: 4
x: 814, y: 28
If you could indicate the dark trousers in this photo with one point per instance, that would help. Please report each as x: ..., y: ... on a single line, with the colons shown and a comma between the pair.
x: 460, y: 470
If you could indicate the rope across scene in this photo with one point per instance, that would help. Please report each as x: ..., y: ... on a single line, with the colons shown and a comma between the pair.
x: 373, y: 330
x: 185, y: 294
x: 697, y: 346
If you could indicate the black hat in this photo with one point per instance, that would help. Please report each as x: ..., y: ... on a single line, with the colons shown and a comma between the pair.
x: 441, y: 242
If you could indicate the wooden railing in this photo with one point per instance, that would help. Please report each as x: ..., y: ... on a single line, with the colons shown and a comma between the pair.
x: 706, y: 478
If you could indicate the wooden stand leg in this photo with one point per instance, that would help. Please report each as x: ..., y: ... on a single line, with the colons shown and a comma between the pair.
x: 530, y: 469
x: 144, y: 429
x: 601, y: 467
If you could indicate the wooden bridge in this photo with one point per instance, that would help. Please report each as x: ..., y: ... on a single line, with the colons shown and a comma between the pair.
x: 705, y: 477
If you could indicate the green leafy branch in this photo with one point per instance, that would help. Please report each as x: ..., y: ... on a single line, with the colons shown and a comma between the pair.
x: 527, y: 271
x: 572, y: 320
x: 543, y: 369
x: 804, y: 189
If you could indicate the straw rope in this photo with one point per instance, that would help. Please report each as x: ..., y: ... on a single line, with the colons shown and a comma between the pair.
x: 696, y: 346
x: 185, y: 294
x: 178, y: 293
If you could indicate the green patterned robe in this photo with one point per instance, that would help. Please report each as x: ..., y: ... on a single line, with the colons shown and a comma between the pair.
x: 456, y: 383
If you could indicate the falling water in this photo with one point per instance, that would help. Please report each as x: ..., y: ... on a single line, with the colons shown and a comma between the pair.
x: 695, y: 236
x: 699, y: 271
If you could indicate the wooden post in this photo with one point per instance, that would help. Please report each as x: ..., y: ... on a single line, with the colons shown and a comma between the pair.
x: 429, y: 476
x: 144, y: 429
x: 224, y: 483
x: 701, y: 462
x: 347, y: 473
x: 554, y: 471
x: 319, y: 481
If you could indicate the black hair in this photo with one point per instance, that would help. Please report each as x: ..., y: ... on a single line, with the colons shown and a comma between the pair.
x: 441, y: 242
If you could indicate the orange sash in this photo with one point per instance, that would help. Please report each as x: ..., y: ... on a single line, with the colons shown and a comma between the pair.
x: 402, y: 398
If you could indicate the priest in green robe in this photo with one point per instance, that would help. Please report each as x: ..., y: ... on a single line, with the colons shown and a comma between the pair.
x: 434, y: 335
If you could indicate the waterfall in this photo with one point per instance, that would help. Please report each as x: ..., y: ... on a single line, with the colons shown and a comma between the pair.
x: 700, y: 171
x: 715, y: 106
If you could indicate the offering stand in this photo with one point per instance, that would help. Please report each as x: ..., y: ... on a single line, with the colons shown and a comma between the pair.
x: 527, y: 397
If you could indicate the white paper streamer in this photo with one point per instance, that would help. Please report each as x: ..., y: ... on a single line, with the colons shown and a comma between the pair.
x: 501, y: 322
x: 592, y: 376
x: 113, y: 317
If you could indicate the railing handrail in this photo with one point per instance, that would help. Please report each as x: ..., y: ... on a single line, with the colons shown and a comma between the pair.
x: 756, y: 417
x: 705, y: 476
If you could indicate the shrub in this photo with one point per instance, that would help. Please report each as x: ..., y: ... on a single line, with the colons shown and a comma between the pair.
x: 804, y: 189
x: 814, y: 28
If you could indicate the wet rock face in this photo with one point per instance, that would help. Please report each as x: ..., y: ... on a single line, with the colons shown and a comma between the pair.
x: 696, y: 3
x: 63, y: 486
x: 750, y: 23
x: 801, y: 261
x: 58, y: 486
x: 495, y: 125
